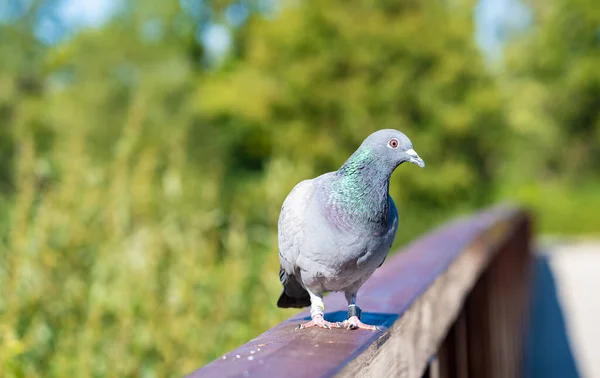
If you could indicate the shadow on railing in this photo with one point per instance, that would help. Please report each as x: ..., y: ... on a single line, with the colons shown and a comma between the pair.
x: 453, y: 304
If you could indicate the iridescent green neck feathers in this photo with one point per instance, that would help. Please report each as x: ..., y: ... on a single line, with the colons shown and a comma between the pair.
x: 359, y: 191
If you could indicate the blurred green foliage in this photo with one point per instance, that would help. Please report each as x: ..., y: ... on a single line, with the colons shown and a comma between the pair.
x: 141, y: 181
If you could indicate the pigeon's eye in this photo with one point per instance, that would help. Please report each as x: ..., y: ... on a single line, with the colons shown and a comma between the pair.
x: 393, y: 143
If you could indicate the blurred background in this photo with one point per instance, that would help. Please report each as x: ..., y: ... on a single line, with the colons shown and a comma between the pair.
x: 146, y: 148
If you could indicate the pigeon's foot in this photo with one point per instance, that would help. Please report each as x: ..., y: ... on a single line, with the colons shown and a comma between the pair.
x: 354, y: 323
x: 318, y: 321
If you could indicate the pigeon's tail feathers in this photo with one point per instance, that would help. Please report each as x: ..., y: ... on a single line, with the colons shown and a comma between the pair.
x: 293, y: 294
x: 285, y: 301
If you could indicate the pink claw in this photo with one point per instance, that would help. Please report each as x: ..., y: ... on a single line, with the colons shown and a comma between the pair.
x: 318, y: 321
x: 355, y: 323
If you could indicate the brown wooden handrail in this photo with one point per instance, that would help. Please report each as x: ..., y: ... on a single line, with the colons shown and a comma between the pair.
x: 453, y: 304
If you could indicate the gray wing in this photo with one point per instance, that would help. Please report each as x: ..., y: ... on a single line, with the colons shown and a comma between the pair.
x: 291, y: 225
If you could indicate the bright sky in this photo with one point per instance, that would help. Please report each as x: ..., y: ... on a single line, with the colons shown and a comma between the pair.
x: 87, y: 12
x: 492, y: 17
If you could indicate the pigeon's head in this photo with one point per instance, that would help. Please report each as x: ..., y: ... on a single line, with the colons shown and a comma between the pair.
x: 394, y: 147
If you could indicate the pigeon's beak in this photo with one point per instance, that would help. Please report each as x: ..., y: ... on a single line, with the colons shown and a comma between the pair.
x: 415, y: 159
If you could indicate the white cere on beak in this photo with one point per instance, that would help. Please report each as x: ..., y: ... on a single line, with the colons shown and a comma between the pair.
x: 414, y: 158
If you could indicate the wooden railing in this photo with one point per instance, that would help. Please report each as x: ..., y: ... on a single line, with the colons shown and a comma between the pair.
x: 453, y: 304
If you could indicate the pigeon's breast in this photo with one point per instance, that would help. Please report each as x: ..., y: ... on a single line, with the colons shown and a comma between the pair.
x: 335, y: 259
x: 332, y: 248
x: 355, y: 264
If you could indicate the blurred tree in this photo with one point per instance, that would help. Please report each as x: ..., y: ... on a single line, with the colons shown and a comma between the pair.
x: 552, y: 88
x: 321, y: 76
x: 553, y: 77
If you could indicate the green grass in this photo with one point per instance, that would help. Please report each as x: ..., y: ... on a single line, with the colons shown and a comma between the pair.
x: 116, y: 269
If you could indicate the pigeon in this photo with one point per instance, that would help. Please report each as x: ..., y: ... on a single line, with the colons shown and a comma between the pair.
x: 336, y: 229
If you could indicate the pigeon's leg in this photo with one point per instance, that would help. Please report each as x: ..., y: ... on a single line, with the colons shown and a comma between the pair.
x: 317, y: 310
x: 354, y: 312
